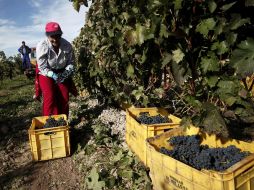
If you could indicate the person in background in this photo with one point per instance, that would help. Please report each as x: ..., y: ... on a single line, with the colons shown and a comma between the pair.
x: 25, y: 51
x: 55, y: 67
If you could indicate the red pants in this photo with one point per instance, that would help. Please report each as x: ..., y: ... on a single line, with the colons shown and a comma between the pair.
x: 55, y: 96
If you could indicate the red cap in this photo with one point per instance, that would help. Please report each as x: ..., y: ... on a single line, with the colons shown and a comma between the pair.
x: 53, y: 28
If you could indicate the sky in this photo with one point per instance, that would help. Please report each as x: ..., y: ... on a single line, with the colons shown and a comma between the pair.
x: 25, y: 20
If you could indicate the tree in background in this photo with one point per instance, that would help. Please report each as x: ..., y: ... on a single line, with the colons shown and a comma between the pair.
x: 9, y: 66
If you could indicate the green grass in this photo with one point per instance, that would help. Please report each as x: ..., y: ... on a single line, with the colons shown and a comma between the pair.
x: 16, y: 99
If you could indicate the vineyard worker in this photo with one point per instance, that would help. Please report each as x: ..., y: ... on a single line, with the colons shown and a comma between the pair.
x: 55, y: 63
x: 25, y: 51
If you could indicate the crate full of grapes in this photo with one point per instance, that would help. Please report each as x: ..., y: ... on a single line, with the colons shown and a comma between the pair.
x: 142, y: 123
x: 49, y: 137
x: 193, y: 160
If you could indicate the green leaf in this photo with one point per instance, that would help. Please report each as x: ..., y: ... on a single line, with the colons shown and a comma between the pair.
x: 230, y: 100
x: 212, y: 6
x: 159, y: 92
x: 220, y: 27
x: 221, y: 47
x: 76, y: 5
x: 164, y: 31
x: 130, y: 51
x: 212, y: 81
x: 179, y: 73
x: 237, y: 21
x: 205, y: 26
x: 210, y: 63
x: 166, y: 59
x: 138, y: 93
x: 140, y: 31
x: 177, y: 4
x: 243, y: 58
x: 228, y: 87
x: 126, y: 174
x: 178, y: 55
x: 93, y: 180
x: 118, y: 157
x: 249, y: 3
x: 110, y: 33
x: 231, y: 38
x: 130, y: 71
x: 227, y: 6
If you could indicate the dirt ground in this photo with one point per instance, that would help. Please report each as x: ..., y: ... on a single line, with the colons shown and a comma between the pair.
x: 18, y: 171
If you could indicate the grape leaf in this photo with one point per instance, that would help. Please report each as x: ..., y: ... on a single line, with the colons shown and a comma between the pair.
x: 93, y: 180
x: 227, y: 6
x: 205, y: 26
x: 212, y: 6
x: 210, y: 63
x: 178, y: 55
x: 243, y: 58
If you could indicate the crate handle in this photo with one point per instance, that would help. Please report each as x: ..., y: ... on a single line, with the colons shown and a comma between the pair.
x: 50, y: 133
x: 165, y: 130
x: 247, y: 171
x: 133, y: 134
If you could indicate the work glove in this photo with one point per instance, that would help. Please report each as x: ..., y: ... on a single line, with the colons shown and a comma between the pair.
x: 52, y: 75
x: 70, y: 68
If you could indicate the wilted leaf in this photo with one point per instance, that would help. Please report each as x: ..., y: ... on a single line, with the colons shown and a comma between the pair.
x: 212, y: 121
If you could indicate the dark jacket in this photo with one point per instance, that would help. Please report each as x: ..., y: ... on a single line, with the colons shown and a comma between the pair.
x: 28, y: 50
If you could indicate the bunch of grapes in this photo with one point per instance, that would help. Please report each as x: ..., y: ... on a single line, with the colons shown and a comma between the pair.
x: 51, y: 122
x: 145, y: 118
x: 188, y: 150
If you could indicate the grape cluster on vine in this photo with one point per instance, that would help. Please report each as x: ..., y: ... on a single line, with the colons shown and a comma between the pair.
x: 188, y: 150
x: 52, y: 122
x: 146, y: 118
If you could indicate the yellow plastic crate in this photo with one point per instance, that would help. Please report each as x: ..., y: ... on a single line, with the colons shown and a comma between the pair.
x: 136, y: 133
x: 168, y: 173
x: 48, y: 143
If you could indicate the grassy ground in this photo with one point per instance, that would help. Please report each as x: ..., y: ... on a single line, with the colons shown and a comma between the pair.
x: 16, y: 100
